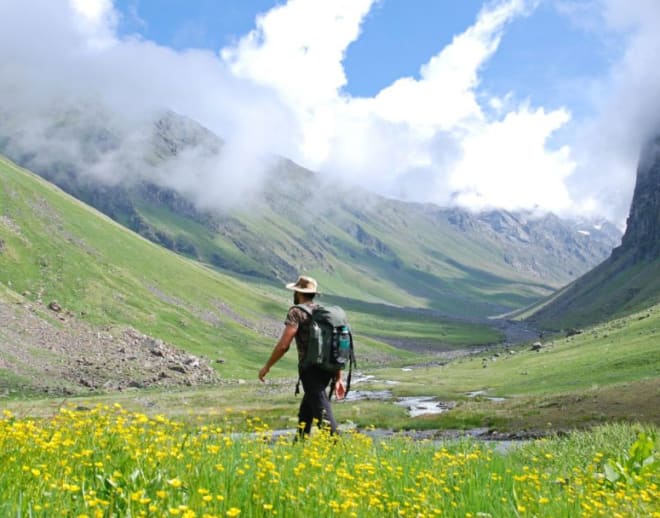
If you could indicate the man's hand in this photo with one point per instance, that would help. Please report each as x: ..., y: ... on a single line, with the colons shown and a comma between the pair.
x: 262, y: 373
x: 340, y: 389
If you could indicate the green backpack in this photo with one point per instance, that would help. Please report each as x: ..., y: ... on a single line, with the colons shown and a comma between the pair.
x: 330, y: 344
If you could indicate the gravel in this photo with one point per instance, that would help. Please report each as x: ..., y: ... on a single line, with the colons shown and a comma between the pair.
x: 46, y: 349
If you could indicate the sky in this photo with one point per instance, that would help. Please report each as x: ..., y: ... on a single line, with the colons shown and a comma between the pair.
x: 514, y: 104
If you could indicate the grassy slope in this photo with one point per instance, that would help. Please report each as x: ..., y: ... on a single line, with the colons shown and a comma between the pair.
x: 56, y: 248
x: 59, y: 249
x: 619, y: 351
x: 425, y: 262
x: 612, y: 289
x: 610, y: 371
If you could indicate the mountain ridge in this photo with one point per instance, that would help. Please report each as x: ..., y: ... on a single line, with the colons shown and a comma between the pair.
x: 358, y: 243
x: 629, y: 280
x: 76, y: 286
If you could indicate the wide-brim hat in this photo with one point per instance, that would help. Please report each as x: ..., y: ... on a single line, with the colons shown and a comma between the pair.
x: 304, y: 284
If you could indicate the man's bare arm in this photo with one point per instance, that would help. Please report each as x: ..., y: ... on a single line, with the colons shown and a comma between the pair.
x: 279, y: 350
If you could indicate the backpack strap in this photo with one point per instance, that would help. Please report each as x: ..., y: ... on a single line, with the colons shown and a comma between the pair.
x: 351, y: 364
x: 309, y: 311
x: 305, y: 308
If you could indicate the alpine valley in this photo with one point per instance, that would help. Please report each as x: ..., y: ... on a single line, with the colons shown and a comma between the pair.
x: 359, y: 245
x: 166, y: 168
x: 109, y: 288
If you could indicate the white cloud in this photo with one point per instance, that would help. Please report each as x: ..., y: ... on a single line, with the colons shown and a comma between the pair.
x: 80, y: 68
x: 434, y: 137
x: 423, y: 138
x: 627, y: 107
x: 97, y: 21
x: 298, y: 48
x: 444, y: 95
x: 93, y: 11
x: 507, y: 164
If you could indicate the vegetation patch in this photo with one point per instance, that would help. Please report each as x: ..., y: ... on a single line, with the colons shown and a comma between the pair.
x: 56, y: 249
x: 106, y: 461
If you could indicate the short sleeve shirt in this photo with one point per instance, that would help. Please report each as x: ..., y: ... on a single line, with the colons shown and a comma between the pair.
x: 300, y: 319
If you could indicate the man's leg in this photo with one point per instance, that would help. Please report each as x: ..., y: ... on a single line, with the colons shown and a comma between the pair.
x: 315, y: 404
x: 305, y: 415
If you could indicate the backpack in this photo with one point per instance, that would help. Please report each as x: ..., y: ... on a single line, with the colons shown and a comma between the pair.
x: 330, y: 344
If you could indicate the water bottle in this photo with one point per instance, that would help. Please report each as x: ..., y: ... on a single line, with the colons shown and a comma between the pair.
x: 344, y: 344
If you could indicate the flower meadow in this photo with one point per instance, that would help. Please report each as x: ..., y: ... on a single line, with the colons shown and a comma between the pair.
x: 107, y: 461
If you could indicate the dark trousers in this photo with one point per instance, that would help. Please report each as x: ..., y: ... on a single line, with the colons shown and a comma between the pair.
x: 315, y: 404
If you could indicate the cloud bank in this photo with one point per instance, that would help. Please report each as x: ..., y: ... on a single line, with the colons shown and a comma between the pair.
x: 279, y: 90
x: 606, y: 147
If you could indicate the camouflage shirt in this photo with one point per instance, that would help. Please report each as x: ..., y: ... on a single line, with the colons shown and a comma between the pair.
x: 299, y: 319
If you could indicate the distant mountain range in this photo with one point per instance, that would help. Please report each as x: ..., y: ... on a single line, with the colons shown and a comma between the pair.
x: 358, y: 244
x: 629, y: 280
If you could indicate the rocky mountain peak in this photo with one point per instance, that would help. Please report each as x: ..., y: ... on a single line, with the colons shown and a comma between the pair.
x: 642, y: 237
x: 174, y: 133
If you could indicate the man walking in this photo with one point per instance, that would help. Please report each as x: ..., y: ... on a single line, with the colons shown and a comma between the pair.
x: 315, y: 405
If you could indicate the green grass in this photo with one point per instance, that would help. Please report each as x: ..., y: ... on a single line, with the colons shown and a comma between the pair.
x: 414, y: 326
x: 611, y: 353
x: 608, y: 373
x: 617, y: 287
x: 621, y: 350
x: 56, y: 248
x: 61, y: 250
x: 107, y: 461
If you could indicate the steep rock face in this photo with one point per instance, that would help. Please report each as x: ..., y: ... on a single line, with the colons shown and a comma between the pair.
x: 642, y: 237
x: 629, y: 280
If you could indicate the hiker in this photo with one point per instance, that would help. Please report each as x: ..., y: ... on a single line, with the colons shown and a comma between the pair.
x: 315, y: 404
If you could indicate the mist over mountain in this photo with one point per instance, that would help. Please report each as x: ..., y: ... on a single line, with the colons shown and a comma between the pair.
x: 629, y: 280
x: 439, y: 135
x: 642, y: 237
x: 178, y: 184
